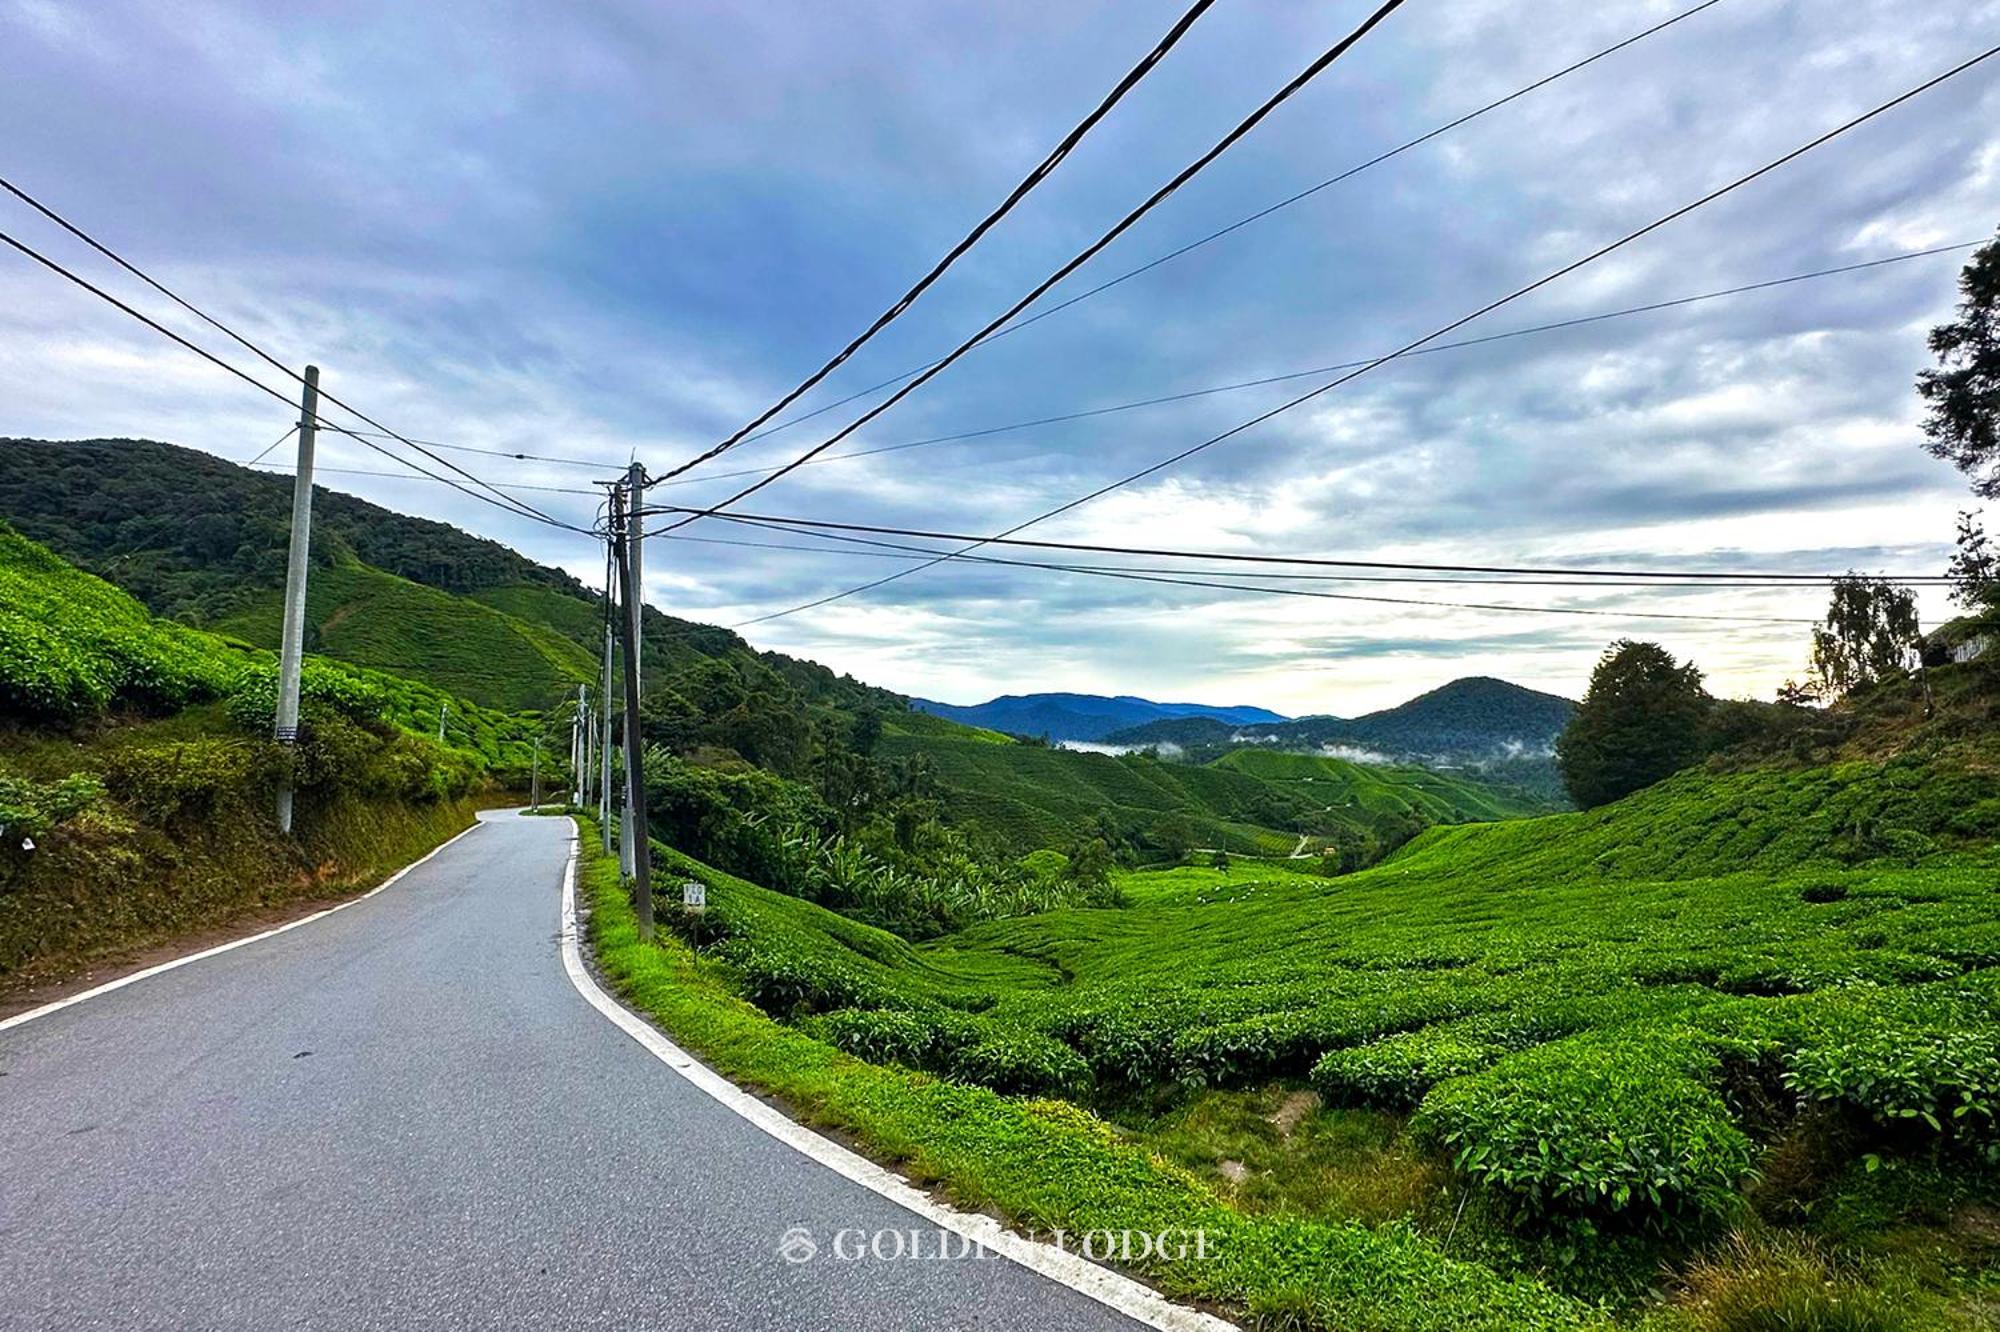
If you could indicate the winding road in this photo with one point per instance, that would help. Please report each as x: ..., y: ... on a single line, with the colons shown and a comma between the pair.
x: 405, y: 1114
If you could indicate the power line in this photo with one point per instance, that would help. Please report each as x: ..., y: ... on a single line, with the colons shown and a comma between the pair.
x: 971, y: 238
x: 1263, y: 212
x: 1409, y: 347
x: 893, y: 550
x: 1187, y: 173
x: 505, y: 453
x: 1212, y: 390
x: 258, y: 384
x: 405, y: 476
x: 1238, y: 385
x: 105, y: 250
x: 1177, y: 580
x: 826, y: 528
x: 985, y: 432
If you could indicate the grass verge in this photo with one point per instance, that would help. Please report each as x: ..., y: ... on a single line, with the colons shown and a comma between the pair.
x: 1043, y: 1164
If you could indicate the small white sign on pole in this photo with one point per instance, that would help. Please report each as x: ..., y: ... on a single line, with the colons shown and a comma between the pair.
x: 694, y: 895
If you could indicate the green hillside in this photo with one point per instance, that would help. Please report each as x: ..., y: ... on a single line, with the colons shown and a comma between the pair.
x: 137, y: 769
x: 202, y: 541
x: 1250, y: 801
x: 1034, y: 795
x: 461, y: 644
x: 1366, y: 791
x: 1746, y: 1021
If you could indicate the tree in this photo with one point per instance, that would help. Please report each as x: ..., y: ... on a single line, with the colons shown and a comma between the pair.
x: 1870, y: 630
x: 1174, y: 835
x: 1090, y: 865
x: 1641, y: 720
x: 1963, y: 424
x: 1220, y: 860
x: 1975, y: 566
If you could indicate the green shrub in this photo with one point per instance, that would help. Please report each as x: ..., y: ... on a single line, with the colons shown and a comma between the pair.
x: 194, y: 778
x: 1924, y: 1056
x: 1623, y: 1122
x: 1020, y: 1063
x: 1396, y: 1072
x: 71, y: 645
x: 327, y: 686
x: 29, y: 808
x: 883, y: 1036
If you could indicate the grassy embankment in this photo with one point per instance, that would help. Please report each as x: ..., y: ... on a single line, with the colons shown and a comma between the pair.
x: 136, y: 773
x: 457, y: 643
x: 1727, y: 1048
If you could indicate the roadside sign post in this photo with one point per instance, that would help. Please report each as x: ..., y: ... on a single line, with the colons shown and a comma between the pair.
x: 694, y: 901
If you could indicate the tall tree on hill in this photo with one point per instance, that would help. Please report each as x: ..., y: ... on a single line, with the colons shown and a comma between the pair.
x: 1871, y: 631
x: 1963, y: 424
x: 1641, y: 720
x: 1975, y: 566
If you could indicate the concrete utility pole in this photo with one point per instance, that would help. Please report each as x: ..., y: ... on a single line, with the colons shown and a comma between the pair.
x: 617, y: 570
x: 535, y: 778
x: 604, y: 736
x: 635, y: 774
x: 635, y: 554
x: 579, y: 743
x: 442, y: 708
x: 291, y: 653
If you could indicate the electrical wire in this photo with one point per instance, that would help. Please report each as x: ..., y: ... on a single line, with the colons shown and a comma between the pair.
x: 1216, y: 584
x: 506, y: 453
x: 258, y: 384
x: 105, y: 250
x: 1238, y: 385
x: 1035, y: 177
x: 827, y: 527
x: 985, y: 432
x: 1082, y: 257
x: 1443, y: 330
x: 893, y: 550
x: 405, y: 476
x: 1263, y: 212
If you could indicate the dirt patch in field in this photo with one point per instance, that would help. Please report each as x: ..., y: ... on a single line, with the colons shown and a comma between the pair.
x: 1293, y: 1111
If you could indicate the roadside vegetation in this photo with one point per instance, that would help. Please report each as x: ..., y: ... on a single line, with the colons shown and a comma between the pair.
x: 136, y: 772
x: 1730, y: 1041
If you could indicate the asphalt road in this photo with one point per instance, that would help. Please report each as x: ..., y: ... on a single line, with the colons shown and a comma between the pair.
x: 404, y: 1115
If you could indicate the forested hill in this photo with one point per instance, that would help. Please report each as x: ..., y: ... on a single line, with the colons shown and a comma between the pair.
x: 1081, y: 716
x: 202, y: 540
x: 1473, y: 719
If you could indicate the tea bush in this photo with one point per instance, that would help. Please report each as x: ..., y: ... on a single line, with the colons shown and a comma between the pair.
x: 30, y: 808
x: 1604, y: 1122
x: 71, y: 645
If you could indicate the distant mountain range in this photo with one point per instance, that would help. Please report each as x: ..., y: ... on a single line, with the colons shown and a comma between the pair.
x: 1470, y: 720
x: 1086, y: 716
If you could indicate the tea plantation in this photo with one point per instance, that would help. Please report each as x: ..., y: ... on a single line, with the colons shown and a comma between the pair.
x: 1737, y: 1031
x: 136, y: 770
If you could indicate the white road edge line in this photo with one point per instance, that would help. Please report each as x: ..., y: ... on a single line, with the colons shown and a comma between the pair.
x: 119, y: 984
x: 1132, y: 1298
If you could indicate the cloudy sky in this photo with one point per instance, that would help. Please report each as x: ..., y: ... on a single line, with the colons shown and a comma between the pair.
x: 613, y: 229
